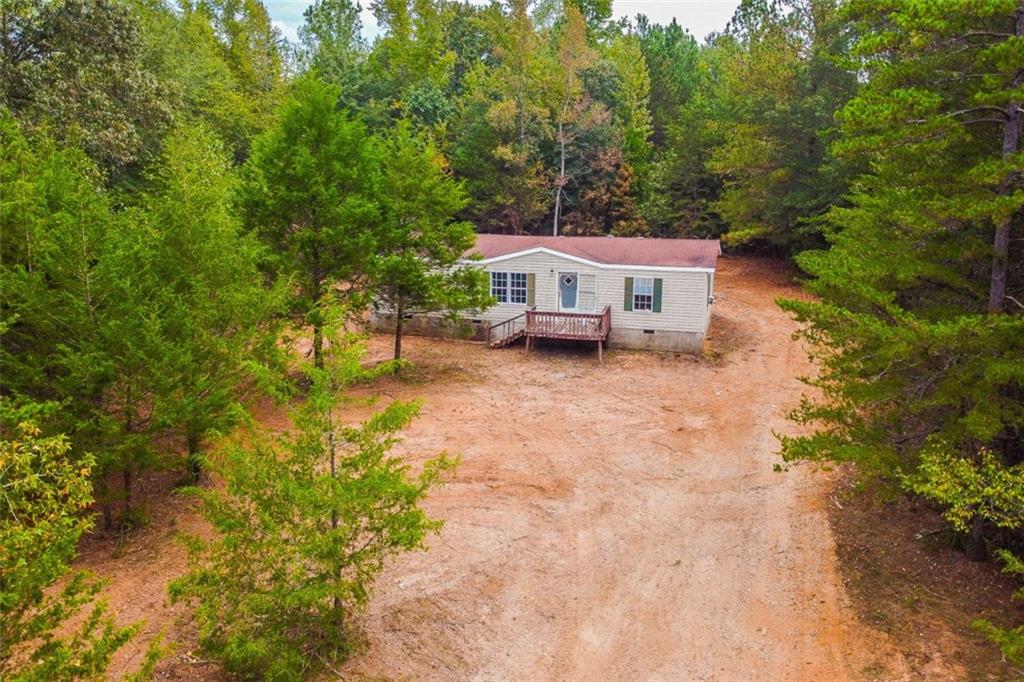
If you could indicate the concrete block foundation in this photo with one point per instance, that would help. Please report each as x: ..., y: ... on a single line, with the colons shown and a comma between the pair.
x: 431, y: 325
x: 656, y: 339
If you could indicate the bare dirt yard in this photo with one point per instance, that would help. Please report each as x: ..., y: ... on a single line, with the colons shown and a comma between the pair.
x: 906, y: 577
x: 612, y: 522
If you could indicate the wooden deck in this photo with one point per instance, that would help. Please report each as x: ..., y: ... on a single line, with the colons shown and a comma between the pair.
x: 539, y: 324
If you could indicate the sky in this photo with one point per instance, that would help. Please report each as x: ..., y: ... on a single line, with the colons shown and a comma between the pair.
x: 700, y: 17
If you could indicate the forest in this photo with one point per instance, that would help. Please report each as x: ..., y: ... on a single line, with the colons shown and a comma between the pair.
x: 185, y: 195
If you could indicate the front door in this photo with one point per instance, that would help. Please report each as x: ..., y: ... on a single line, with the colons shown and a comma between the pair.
x: 568, y: 290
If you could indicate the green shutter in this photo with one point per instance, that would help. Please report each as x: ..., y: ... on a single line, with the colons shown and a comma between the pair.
x: 531, y: 288
x: 627, y: 299
x: 657, y: 295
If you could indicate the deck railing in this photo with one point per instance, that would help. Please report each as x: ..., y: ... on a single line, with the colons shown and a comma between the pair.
x: 507, y: 331
x: 536, y: 324
x: 581, y: 326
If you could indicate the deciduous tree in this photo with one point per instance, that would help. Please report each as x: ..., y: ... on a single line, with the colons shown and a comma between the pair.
x: 574, y: 110
x: 333, y: 45
x: 77, y: 67
x: 42, y: 500
x: 503, y: 123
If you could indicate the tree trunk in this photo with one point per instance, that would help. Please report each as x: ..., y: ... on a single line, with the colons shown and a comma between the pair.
x: 339, y: 614
x: 108, y: 509
x: 398, y: 331
x: 313, y: 315
x: 1001, y: 241
x: 194, y: 465
x: 126, y: 471
x: 318, y: 347
x: 561, y: 176
x: 126, y: 476
x: 976, y: 548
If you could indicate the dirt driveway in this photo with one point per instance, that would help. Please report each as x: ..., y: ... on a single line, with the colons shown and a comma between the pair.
x: 622, y: 521
x: 616, y: 522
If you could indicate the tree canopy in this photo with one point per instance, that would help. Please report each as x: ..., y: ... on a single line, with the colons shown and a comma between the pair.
x: 185, y: 192
x: 918, y: 326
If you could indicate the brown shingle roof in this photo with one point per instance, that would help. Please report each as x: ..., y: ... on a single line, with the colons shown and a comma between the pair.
x: 679, y: 253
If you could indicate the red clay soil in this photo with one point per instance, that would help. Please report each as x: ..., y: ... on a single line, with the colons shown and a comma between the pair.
x: 606, y: 523
x: 905, y: 577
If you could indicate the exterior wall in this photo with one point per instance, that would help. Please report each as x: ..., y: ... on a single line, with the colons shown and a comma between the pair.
x: 679, y: 327
x: 684, y: 301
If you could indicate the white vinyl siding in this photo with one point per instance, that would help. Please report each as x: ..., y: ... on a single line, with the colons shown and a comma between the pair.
x: 684, y: 293
x: 588, y: 293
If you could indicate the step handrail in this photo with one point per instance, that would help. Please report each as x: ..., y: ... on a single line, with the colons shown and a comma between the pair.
x: 490, y: 336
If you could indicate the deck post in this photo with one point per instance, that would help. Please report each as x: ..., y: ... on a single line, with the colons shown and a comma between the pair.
x: 600, y: 359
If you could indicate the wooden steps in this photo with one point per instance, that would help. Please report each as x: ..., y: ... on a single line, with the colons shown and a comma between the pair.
x: 508, y: 339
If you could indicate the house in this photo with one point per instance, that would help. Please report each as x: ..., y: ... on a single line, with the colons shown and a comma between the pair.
x: 622, y: 292
x: 626, y: 292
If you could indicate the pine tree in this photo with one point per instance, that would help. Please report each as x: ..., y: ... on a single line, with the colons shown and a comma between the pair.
x: 417, y: 265
x: 311, y: 194
x: 622, y: 211
x: 77, y: 333
x: 678, y: 189
x: 781, y: 85
x: 917, y: 330
x: 632, y: 115
x: 201, y: 274
x: 305, y: 521
x: 919, y: 343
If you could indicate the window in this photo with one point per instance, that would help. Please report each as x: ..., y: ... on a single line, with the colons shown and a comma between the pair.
x: 509, y: 287
x: 517, y: 287
x: 643, y: 293
x: 499, y: 286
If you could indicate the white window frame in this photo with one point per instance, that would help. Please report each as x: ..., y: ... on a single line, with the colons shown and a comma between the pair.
x: 510, y: 287
x: 518, y: 286
x: 499, y: 289
x: 643, y: 294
